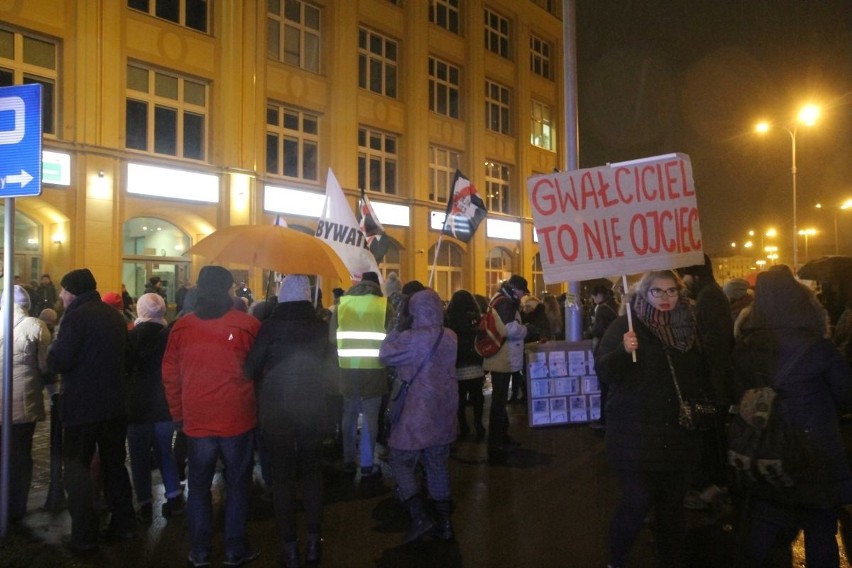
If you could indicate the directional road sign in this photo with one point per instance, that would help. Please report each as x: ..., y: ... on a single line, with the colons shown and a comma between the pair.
x: 20, y: 140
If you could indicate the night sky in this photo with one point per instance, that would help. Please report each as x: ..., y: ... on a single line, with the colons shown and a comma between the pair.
x: 695, y: 76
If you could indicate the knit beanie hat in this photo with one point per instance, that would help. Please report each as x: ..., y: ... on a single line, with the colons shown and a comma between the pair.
x: 151, y: 307
x: 370, y: 277
x: 113, y: 300
x: 736, y: 288
x: 295, y: 288
x: 49, y: 316
x: 393, y: 285
x: 20, y: 297
x: 215, y: 279
x: 79, y: 282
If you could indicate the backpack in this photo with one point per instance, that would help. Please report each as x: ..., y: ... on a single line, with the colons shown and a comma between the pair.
x: 490, y: 333
x: 763, y: 448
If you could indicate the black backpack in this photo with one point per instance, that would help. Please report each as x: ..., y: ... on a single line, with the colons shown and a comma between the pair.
x: 763, y: 448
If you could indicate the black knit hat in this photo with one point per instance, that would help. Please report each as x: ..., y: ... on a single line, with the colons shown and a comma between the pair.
x: 215, y: 279
x: 79, y: 281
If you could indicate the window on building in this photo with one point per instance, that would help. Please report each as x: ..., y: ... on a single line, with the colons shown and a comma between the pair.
x: 166, y: 113
x: 497, y: 107
x: 498, y: 267
x: 541, y: 126
x: 292, y: 142
x: 445, y: 14
x: 443, y: 164
x: 189, y: 13
x: 293, y: 33
x: 538, y: 285
x: 444, y: 85
x: 497, y: 177
x: 26, y: 60
x: 540, y: 57
x: 377, y: 161
x: 390, y: 262
x: 497, y: 34
x: 448, y: 269
x: 377, y: 63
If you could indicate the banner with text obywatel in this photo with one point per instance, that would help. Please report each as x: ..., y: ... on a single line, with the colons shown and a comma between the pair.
x: 622, y: 218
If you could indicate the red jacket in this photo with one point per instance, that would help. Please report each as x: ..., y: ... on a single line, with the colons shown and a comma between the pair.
x: 203, y: 374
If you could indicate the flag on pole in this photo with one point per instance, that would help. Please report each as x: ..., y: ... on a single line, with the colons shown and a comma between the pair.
x: 372, y: 228
x: 279, y: 221
x: 337, y: 226
x: 465, y: 209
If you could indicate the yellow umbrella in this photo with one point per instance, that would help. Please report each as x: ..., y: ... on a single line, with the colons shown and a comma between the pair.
x: 272, y: 247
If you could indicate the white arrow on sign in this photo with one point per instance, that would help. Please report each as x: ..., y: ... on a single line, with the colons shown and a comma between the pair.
x: 22, y: 179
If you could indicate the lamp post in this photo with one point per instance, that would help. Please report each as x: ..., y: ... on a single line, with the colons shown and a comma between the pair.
x: 807, y: 116
x: 807, y: 233
x: 842, y: 207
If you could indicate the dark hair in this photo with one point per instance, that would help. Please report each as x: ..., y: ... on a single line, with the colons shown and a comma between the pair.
x: 601, y: 289
x: 412, y: 287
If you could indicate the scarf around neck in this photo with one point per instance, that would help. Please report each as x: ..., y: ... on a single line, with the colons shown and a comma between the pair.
x: 674, y: 328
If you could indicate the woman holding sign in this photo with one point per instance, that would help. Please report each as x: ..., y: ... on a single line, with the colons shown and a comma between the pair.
x: 650, y: 451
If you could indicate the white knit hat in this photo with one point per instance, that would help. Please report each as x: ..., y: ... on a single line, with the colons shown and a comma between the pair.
x: 151, y: 307
x: 295, y: 288
x: 20, y: 297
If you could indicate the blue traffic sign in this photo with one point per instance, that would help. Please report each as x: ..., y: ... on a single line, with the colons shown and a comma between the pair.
x: 20, y: 140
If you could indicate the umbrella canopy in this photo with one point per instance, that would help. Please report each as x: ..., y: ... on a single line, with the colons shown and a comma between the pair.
x: 833, y: 269
x: 272, y: 247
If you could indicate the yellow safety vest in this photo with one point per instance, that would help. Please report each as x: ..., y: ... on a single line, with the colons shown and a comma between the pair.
x: 360, y: 331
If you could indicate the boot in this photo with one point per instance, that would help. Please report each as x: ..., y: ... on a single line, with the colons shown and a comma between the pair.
x: 290, y: 555
x: 444, y: 528
x: 314, y: 550
x: 421, y: 521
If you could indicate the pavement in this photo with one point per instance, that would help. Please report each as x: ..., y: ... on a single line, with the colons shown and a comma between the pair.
x: 548, y: 506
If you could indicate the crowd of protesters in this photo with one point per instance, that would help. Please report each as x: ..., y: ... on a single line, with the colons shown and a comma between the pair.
x: 231, y: 379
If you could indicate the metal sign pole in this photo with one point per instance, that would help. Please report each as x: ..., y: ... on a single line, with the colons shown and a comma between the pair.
x: 8, y: 318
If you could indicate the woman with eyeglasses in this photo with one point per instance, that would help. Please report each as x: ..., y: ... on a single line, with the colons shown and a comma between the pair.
x: 652, y: 455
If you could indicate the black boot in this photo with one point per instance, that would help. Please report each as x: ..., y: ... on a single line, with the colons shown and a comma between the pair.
x: 421, y: 520
x: 290, y: 555
x: 313, y: 554
x: 444, y: 528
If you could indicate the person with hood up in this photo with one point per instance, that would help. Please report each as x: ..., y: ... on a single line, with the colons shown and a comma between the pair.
x: 90, y: 353
x: 31, y: 338
x: 150, y: 426
x: 289, y: 361
x: 425, y: 357
x: 788, y: 326
x: 212, y: 400
x: 358, y: 326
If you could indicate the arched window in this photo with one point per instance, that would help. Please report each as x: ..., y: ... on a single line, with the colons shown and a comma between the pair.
x: 448, y: 269
x: 153, y: 247
x: 498, y: 267
x: 28, y: 247
x: 538, y: 286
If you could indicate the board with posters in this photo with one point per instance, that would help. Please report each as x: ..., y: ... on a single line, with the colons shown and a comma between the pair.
x: 562, y: 385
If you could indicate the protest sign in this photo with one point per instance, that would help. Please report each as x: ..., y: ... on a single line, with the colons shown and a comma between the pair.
x: 621, y: 218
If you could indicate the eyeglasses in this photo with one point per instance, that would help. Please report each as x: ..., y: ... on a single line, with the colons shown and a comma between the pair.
x: 659, y: 292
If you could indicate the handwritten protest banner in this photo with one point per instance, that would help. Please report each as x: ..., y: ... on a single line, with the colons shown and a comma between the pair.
x: 622, y: 218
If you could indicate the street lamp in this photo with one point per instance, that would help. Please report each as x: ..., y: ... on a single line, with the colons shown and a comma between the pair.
x: 843, y: 206
x: 807, y: 116
x: 807, y: 233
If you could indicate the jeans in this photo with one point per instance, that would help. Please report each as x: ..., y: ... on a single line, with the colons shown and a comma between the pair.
x: 769, y: 520
x: 20, y: 468
x: 352, y: 407
x: 141, y: 439
x: 641, y: 493
x: 498, y: 418
x: 78, y: 447
x: 237, y: 454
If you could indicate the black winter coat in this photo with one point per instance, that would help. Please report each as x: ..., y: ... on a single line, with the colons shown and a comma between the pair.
x: 90, y: 353
x: 290, y: 360
x: 810, y: 398
x: 146, y: 401
x: 642, y: 431
x: 465, y: 325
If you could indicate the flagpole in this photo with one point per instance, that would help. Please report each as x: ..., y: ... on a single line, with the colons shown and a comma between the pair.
x: 435, y: 258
